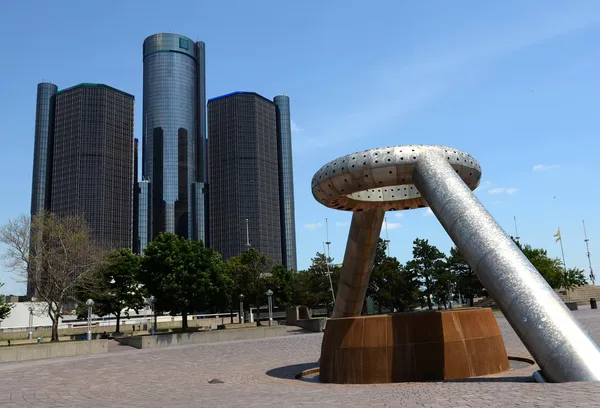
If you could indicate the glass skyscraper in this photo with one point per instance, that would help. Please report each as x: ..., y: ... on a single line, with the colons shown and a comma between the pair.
x: 44, y: 142
x: 250, y: 176
x: 174, y: 134
x: 286, y: 182
x: 93, y: 161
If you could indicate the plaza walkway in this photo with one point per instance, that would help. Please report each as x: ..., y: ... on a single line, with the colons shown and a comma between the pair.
x: 259, y: 373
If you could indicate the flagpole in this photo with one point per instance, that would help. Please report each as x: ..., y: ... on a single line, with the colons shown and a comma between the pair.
x: 562, y: 250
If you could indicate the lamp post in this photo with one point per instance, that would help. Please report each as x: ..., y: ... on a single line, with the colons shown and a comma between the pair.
x: 89, y: 304
x: 241, y: 308
x: 30, y: 336
x: 270, y: 304
x: 152, y: 301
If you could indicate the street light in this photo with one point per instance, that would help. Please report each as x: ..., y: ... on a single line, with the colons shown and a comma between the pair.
x: 152, y: 300
x: 30, y: 336
x: 89, y: 304
x: 241, y: 308
x: 270, y: 303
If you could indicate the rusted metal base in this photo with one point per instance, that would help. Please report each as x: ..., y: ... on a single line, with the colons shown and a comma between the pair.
x: 419, y: 346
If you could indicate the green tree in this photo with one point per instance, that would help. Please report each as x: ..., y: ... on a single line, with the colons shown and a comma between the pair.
x: 249, y: 272
x: 312, y: 287
x: 281, y: 282
x: 405, y: 290
x: 113, y: 287
x: 467, y: 283
x: 5, y: 307
x: 573, y: 278
x: 178, y: 273
x: 428, y: 264
x: 379, y: 276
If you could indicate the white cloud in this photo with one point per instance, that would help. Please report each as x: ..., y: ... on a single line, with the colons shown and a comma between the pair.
x: 342, y: 224
x: 542, y: 167
x: 503, y: 190
x: 399, y: 214
x: 392, y: 225
x: 295, y: 127
x: 428, y: 212
x: 487, y: 183
x: 313, y: 227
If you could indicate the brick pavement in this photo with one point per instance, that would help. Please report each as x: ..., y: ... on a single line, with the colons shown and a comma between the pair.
x: 259, y: 373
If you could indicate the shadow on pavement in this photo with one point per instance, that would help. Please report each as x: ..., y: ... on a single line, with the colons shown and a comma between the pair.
x: 291, y: 371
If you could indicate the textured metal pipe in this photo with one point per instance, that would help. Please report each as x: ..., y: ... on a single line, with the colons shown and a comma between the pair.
x: 358, y: 262
x: 558, y: 343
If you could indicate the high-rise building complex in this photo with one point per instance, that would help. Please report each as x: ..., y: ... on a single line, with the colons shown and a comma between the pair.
x: 250, y: 176
x: 84, y: 159
x: 174, y: 136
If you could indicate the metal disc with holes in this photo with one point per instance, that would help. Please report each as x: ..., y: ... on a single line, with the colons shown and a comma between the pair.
x: 384, y: 177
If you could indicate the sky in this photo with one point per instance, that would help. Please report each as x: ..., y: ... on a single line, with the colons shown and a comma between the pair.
x: 515, y: 84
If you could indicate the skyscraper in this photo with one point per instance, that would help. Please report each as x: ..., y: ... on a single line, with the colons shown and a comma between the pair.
x: 93, y: 160
x: 286, y: 182
x: 43, y: 147
x: 244, y: 175
x: 41, y: 184
x: 174, y: 129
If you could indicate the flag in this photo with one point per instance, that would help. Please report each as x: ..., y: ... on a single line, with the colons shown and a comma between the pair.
x: 557, y: 235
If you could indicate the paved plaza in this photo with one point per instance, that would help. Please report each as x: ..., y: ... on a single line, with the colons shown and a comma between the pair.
x: 260, y: 373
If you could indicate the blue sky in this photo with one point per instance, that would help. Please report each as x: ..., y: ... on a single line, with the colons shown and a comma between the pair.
x: 516, y: 84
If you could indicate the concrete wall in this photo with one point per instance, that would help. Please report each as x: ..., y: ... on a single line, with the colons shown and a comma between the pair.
x: 314, y: 325
x: 164, y: 325
x: 50, y: 350
x: 180, y: 339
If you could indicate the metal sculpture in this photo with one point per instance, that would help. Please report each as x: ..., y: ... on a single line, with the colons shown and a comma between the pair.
x: 416, y: 176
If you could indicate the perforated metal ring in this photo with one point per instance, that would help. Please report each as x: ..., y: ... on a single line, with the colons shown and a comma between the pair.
x: 384, y: 178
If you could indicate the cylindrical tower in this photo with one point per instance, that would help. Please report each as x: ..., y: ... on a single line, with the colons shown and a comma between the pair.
x: 42, y: 154
x: 286, y: 182
x: 170, y: 128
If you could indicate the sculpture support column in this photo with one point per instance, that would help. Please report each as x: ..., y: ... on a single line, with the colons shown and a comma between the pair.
x: 559, y: 344
x: 358, y: 262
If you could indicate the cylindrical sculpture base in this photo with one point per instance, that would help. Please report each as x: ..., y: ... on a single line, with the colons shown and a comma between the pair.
x: 419, y: 346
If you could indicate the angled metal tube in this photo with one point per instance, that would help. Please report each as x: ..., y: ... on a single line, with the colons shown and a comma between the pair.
x: 556, y: 340
x: 358, y: 262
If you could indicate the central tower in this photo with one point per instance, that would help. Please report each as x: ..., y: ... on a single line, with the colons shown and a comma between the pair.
x: 174, y: 129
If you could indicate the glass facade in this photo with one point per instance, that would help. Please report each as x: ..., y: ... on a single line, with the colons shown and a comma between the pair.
x: 200, y: 200
x: 42, y: 153
x: 93, y: 161
x: 143, y: 210
x: 174, y: 129
x: 243, y: 175
x: 286, y: 182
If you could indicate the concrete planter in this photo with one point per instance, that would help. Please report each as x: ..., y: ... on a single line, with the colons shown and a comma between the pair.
x: 181, y: 339
x: 51, y: 350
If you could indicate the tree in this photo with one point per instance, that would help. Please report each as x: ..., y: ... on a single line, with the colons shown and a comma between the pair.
x: 5, y: 307
x: 572, y: 279
x: 52, y: 254
x: 379, y: 276
x: 178, y: 273
x: 113, y: 286
x: 428, y: 264
x: 406, y: 293
x: 467, y: 283
x: 281, y: 282
x: 312, y: 287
